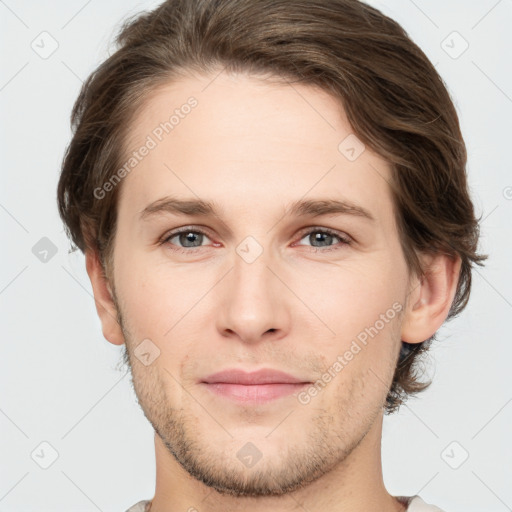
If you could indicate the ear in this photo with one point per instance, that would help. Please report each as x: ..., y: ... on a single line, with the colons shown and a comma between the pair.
x: 430, y: 297
x: 105, y: 306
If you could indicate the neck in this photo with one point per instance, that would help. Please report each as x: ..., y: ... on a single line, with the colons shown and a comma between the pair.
x: 354, y: 484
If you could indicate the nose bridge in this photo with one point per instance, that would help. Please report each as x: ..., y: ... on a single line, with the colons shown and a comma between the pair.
x: 251, y: 275
x: 253, y: 299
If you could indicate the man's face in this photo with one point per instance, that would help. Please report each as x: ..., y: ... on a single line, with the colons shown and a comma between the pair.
x: 256, y: 286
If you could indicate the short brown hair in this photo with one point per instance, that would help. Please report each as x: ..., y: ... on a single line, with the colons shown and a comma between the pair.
x: 396, y: 103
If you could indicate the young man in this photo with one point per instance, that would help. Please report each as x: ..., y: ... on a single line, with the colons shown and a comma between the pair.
x: 272, y: 201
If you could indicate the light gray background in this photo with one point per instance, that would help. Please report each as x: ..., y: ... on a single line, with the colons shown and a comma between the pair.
x: 58, y: 379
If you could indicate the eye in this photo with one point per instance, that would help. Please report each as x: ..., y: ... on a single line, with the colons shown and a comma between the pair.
x: 323, y: 238
x: 185, y: 239
x: 189, y: 239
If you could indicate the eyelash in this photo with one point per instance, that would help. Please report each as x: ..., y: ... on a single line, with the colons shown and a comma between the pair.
x: 344, y: 239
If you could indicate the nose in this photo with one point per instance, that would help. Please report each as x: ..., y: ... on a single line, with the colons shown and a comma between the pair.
x: 253, y: 303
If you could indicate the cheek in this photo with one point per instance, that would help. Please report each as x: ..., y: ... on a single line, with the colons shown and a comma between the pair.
x: 361, y: 305
x: 162, y: 303
x: 354, y: 297
x: 144, y: 296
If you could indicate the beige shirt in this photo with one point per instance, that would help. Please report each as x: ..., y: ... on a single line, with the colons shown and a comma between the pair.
x: 415, y: 504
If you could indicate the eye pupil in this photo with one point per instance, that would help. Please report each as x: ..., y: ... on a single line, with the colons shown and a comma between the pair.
x: 319, y: 237
x: 189, y: 237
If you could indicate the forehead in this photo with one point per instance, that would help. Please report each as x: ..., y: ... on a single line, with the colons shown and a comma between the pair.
x: 245, y: 141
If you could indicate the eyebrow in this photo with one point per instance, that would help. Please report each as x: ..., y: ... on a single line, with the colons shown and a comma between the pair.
x: 300, y: 208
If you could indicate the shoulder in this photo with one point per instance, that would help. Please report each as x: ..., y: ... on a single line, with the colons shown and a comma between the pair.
x: 416, y: 504
x: 139, y: 507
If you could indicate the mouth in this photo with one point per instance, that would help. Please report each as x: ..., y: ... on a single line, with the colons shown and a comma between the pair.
x: 253, y: 387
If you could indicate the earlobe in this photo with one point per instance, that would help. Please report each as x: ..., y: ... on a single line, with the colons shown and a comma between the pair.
x: 105, y: 305
x: 430, y: 297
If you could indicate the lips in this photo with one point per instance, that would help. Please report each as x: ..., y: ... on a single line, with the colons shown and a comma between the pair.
x: 257, y: 387
x: 264, y: 376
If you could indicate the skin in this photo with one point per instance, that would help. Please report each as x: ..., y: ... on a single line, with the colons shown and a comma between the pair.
x: 252, y: 147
